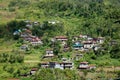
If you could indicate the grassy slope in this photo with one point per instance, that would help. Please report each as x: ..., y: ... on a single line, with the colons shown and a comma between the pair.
x: 7, y: 46
x: 5, y: 15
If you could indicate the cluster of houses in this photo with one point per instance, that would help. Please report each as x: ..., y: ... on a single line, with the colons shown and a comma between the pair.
x: 59, y: 65
x: 49, y: 53
x: 67, y: 65
x: 62, y: 66
x: 27, y: 36
x: 80, y: 43
x: 30, y: 24
x: 85, y: 43
x: 86, y: 65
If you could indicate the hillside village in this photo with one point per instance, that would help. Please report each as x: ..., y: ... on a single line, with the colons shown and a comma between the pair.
x: 63, y: 52
x: 80, y: 44
x: 59, y: 39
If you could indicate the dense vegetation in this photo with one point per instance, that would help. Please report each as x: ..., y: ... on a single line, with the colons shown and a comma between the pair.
x: 92, y: 17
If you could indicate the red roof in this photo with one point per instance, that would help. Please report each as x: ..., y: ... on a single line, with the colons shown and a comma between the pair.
x: 14, y: 79
x: 92, y: 65
x: 34, y: 69
x: 61, y: 37
x: 87, y: 42
x: 95, y: 39
x: 49, y: 49
x: 28, y: 31
x: 100, y: 38
x: 43, y: 63
x: 66, y: 63
x: 84, y: 63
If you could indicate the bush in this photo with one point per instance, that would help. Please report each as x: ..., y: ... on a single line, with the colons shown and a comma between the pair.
x: 11, y: 58
x: 11, y: 9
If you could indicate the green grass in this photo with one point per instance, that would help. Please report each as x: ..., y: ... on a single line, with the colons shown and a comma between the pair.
x: 105, y: 61
x: 7, y: 46
x: 25, y: 79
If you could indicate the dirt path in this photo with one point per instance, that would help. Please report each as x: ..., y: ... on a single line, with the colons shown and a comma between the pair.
x: 107, y: 69
x: 8, y: 50
x: 31, y: 61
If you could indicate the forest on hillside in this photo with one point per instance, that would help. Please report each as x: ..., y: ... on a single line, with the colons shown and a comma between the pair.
x: 92, y: 17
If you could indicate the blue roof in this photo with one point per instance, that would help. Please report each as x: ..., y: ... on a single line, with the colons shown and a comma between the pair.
x: 77, y: 44
x: 19, y: 30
